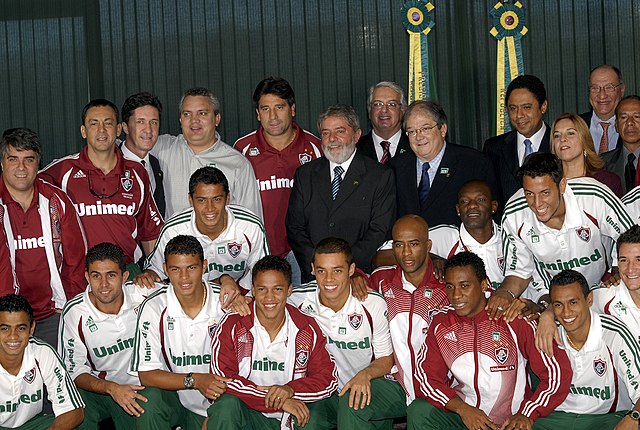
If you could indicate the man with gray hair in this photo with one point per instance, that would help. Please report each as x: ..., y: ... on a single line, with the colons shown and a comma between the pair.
x: 343, y: 194
x: 429, y: 176
x: 386, y: 106
x: 200, y: 145
x: 46, y: 242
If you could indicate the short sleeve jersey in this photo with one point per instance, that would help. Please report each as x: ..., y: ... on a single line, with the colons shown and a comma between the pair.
x: 21, y: 396
x: 233, y: 252
x: 631, y: 201
x: 178, y: 162
x: 93, y: 342
x: 274, y: 170
x: 606, y: 370
x: 594, y: 219
x: 448, y: 240
x: 617, y: 301
x: 356, y: 335
x: 116, y: 207
x: 167, y: 339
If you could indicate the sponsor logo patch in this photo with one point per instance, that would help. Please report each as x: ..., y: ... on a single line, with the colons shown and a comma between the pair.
x: 234, y: 249
x: 79, y: 174
x: 495, y: 336
x: 451, y: 336
x: 254, y: 152
x: 355, y: 321
x: 584, y: 233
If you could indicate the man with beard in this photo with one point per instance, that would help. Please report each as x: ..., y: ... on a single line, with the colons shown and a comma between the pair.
x: 343, y: 194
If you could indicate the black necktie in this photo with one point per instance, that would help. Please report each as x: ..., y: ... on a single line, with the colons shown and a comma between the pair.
x: 423, y: 188
x: 630, y: 172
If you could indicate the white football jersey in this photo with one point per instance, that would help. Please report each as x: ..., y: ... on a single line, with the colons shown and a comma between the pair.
x: 167, y: 339
x: 242, y: 243
x: 606, y: 370
x: 356, y: 335
x: 594, y: 219
x: 90, y: 341
x: 617, y: 301
x: 21, y: 396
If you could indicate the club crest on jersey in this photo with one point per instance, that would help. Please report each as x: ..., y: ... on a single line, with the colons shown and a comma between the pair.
x: 212, y: 328
x: 501, y: 263
x: 502, y: 354
x: 355, y: 321
x: 599, y: 366
x: 29, y: 376
x: 234, y: 249
x: 584, y: 233
x: 302, y: 357
x: 127, y: 182
x: 304, y: 158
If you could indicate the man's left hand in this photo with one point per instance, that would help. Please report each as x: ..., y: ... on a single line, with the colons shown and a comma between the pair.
x: 627, y: 423
x: 276, y: 395
x: 359, y: 388
x: 359, y: 286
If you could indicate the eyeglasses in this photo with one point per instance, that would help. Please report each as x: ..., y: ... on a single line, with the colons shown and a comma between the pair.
x: 380, y: 105
x: 102, y: 196
x: 609, y: 88
x: 422, y: 130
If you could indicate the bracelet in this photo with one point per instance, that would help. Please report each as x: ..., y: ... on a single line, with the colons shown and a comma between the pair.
x: 513, y: 296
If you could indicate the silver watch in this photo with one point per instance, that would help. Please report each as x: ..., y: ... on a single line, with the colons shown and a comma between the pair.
x: 188, y: 381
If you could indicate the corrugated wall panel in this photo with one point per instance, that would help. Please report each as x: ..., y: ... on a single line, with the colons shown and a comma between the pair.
x: 55, y: 55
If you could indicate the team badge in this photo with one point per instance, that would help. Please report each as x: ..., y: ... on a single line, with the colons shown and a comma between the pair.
x: 355, y: 321
x: 234, y: 249
x: 502, y: 354
x: 501, y: 263
x: 29, y: 376
x: 584, y: 233
x: 302, y: 357
x: 127, y: 182
x: 254, y: 152
x: 212, y: 328
x: 304, y: 158
x: 599, y: 366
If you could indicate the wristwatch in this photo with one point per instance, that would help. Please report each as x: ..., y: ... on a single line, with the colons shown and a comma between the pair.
x: 635, y: 415
x: 188, y: 381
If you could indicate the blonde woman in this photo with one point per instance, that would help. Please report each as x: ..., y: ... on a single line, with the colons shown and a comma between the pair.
x: 571, y: 142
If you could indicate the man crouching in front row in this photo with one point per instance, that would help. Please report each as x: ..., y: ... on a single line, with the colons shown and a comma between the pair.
x: 275, y: 357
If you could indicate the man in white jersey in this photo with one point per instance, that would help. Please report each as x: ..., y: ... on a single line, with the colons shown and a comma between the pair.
x: 276, y: 359
x: 233, y: 238
x: 200, y: 145
x: 358, y: 338
x: 553, y: 224
x: 96, y: 339
x: 605, y: 358
x: 172, y: 349
x: 27, y: 366
x: 478, y: 233
x: 623, y: 300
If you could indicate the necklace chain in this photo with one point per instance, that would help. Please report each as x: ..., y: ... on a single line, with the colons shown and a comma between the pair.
x: 571, y: 343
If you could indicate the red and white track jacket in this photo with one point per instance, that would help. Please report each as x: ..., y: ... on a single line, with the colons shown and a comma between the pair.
x: 313, y: 371
x: 488, y: 360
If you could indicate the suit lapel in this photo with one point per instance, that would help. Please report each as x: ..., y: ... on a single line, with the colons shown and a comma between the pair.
x: 444, y: 173
x: 511, y: 152
x: 321, y: 182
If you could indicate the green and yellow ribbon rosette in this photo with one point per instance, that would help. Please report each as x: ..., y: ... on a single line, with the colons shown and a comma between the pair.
x: 508, y: 27
x: 417, y: 18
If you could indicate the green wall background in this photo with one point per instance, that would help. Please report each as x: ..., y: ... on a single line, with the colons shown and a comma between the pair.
x: 56, y: 55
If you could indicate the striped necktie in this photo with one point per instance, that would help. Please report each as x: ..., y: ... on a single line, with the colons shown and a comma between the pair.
x: 337, y: 180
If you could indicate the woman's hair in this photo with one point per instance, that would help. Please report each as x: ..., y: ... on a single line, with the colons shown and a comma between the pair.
x: 592, y: 161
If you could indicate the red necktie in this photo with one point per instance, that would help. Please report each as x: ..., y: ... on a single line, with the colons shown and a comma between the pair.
x: 386, y: 155
x: 604, y: 142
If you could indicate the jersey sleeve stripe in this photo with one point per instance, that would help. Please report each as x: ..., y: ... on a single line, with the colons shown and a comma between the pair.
x: 614, y: 325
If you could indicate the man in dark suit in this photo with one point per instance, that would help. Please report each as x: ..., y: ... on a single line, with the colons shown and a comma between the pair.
x: 623, y: 161
x: 526, y: 102
x: 386, y: 106
x: 429, y: 176
x: 141, y: 124
x: 343, y: 194
x: 606, y: 89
